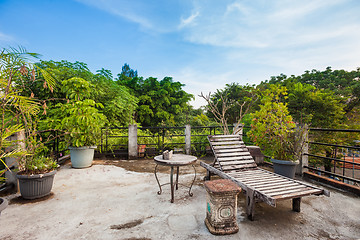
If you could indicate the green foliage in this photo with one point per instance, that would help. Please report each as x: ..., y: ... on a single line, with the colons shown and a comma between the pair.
x: 76, y: 88
x: 329, y: 97
x: 200, y: 120
x: 18, y: 113
x: 239, y: 98
x: 82, y: 122
x: 40, y: 164
x: 76, y: 78
x: 119, y: 104
x: 272, y: 126
x: 160, y: 102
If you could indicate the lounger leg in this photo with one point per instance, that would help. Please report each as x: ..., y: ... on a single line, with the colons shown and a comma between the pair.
x: 208, y: 176
x: 296, y: 204
x: 250, y: 204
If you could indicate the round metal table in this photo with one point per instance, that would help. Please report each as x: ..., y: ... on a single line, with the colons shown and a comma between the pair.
x: 177, y: 161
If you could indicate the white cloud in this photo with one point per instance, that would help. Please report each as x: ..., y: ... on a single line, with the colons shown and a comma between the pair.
x: 261, y: 24
x: 189, y: 20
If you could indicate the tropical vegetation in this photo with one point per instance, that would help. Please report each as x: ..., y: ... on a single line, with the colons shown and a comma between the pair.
x: 38, y: 96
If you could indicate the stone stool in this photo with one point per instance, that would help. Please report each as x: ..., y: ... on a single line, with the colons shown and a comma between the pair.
x: 221, y: 201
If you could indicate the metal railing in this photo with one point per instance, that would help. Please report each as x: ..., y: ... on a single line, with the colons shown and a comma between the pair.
x: 338, y: 161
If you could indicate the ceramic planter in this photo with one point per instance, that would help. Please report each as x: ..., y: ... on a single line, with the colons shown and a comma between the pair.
x: 3, y: 204
x: 37, y: 185
x: 285, y: 168
x: 82, y: 157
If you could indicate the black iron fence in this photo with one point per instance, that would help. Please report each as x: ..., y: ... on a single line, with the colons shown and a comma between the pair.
x: 335, y: 153
x: 154, y: 140
x: 55, y: 144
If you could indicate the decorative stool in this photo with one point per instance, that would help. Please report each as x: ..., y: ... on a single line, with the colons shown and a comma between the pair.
x: 221, y: 201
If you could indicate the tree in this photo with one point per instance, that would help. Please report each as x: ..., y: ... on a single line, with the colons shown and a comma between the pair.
x: 316, y: 107
x: 160, y: 102
x: 339, y: 85
x: 119, y: 103
x: 238, y: 99
x: 230, y: 105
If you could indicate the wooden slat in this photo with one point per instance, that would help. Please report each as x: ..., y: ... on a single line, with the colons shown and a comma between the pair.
x: 229, y: 168
x: 251, y: 173
x: 233, y: 150
x: 257, y: 178
x: 301, y: 194
x: 278, y: 185
x: 237, y: 153
x: 267, y: 183
x: 223, y: 136
x: 245, y: 173
x: 228, y: 147
x: 285, y: 188
x: 260, y: 181
x: 242, y: 162
x: 282, y: 192
x: 226, y: 143
x: 225, y: 139
x: 235, y: 158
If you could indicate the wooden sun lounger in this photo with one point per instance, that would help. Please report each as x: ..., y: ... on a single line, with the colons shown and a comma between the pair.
x: 233, y: 161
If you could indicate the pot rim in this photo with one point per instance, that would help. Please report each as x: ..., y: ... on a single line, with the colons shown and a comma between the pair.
x: 41, y: 175
x: 83, y: 147
x: 285, y: 162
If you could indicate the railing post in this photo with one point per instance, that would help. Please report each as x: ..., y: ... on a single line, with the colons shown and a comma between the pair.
x: 304, y: 159
x: 11, y: 162
x: 238, y: 129
x: 132, y: 143
x: 188, y: 139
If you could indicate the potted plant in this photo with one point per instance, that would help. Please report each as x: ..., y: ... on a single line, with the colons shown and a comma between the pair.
x: 18, y: 113
x: 82, y: 122
x: 274, y: 131
x: 36, y: 173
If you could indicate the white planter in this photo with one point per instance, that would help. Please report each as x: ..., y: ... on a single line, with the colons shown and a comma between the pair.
x: 82, y: 157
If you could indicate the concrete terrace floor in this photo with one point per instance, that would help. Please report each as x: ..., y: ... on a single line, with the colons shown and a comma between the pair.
x: 119, y: 200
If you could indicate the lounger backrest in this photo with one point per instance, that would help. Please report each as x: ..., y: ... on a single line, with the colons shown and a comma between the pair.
x: 231, y: 153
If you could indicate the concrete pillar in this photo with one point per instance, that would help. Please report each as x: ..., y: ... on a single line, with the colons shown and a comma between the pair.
x: 304, y: 148
x: 132, y: 143
x: 188, y: 139
x: 12, y: 162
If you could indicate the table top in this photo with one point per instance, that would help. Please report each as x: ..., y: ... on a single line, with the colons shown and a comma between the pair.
x: 176, y: 160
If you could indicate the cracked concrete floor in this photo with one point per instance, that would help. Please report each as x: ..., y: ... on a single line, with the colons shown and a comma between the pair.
x: 119, y: 200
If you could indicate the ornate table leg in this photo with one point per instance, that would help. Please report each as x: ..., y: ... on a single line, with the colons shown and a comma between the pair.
x: 190, y: 193
x: 177, y: 177
x: 172, y: 184
x: 157, y: 180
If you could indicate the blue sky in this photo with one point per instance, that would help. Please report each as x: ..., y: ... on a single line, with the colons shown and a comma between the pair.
x: 204, y: 44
